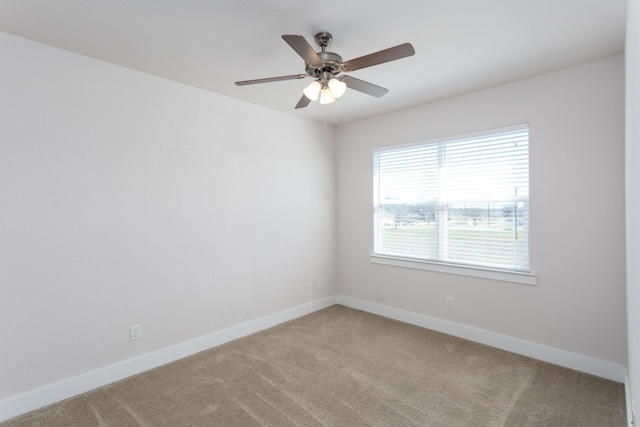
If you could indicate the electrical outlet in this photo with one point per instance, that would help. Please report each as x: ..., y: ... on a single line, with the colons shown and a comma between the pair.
x: 135, y: 332
x: 448, y: 302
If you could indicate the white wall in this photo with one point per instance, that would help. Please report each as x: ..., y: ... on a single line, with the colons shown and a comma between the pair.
x: 632, y: 157
x: 576, y: 119
x: 126, y: 199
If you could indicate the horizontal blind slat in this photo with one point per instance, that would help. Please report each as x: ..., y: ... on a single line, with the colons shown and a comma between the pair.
x: 461, y: 200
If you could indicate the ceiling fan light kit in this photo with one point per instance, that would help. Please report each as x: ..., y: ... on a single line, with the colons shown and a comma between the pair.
x: 313, y: 90
x: 325, y: 91
x: 338, y: 87
x: 324, y: 68
x: 326, y: 96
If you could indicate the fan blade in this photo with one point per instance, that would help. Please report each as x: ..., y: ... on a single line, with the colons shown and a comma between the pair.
x: 380, y: 57
x: 271, y: 79
x: 304, y: 49
x: 304, y: 101
x: 364, y: 87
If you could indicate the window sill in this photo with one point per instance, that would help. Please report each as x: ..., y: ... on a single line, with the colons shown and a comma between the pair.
x: 484, y: 273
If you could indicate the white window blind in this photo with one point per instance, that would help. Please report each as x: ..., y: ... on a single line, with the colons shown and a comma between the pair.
x: 461, y: 200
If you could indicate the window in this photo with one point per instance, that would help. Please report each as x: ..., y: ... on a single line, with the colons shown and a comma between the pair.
x: 461, y: 200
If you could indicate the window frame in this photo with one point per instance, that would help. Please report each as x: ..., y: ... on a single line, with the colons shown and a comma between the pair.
x: 515, y: 275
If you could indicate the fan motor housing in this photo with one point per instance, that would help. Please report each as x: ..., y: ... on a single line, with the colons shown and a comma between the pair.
x: 331, y: 64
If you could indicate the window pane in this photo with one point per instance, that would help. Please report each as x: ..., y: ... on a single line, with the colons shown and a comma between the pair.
x: 458, y: 200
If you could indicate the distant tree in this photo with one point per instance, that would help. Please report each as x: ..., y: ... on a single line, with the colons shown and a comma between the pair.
x: 411, y: 212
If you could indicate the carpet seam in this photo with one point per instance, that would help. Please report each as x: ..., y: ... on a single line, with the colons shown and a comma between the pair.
x: 520, y: 392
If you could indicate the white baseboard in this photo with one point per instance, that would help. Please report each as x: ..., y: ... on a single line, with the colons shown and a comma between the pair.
x: 34, y: 399
x: 629, y: 400
x: 578, y: 362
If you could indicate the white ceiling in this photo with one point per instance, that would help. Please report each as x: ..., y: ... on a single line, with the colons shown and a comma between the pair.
x: 461, y: 45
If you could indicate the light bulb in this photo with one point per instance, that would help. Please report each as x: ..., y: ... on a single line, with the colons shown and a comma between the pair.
x: 337, y: 87
x: 326, y: 97
x: 313, y: 90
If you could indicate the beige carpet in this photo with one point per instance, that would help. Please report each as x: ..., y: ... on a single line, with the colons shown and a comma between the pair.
x: 344, y: 367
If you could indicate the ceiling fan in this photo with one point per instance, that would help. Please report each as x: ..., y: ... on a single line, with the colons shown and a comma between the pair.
x: 324, y: 68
